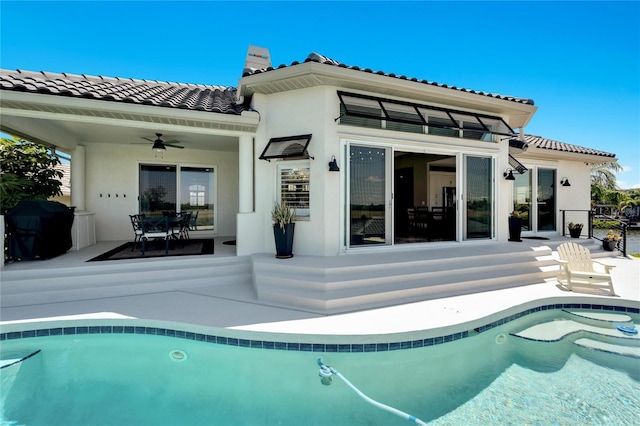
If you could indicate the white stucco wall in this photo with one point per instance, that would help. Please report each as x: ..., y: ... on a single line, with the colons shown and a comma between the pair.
x: 112, y: 170
x: 574, y: 198
x: 295, y: 113
x: 314, y: 111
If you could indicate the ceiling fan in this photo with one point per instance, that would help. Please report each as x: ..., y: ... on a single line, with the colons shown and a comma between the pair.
x: 159, y: 145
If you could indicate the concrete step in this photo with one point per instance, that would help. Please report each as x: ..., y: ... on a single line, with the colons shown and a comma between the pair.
x: 338, y: 285
x: 628, y: 351
x: 121, y: 279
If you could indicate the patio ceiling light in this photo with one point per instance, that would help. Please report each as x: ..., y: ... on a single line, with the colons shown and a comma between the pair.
x: 158, y: 146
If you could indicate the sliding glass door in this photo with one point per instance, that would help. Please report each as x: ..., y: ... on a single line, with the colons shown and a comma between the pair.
x: 403, y: 197
x: 369, y: 195
x: 546, y: 195
x: 536, y: 184
x: 197, y: 195
x: 479, y: 222
x: 161, y: 186
x: 158, y: 189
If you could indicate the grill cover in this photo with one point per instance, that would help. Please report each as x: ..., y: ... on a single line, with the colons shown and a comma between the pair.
x: 39, y: 229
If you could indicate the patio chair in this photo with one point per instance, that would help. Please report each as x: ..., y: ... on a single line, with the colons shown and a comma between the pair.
x: 193, y: 224
x: 156, y: 228
x: 185, y: 223
x: 136, y: 224
x: 577, y: 268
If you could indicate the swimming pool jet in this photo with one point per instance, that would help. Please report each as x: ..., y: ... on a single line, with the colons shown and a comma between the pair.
x: 326, y: 374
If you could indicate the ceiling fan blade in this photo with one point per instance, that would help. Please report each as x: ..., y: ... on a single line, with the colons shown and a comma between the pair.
x: 174, y: 146
x: 147, y: 139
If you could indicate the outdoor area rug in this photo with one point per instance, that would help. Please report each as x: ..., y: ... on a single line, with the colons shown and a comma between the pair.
x: 156, y: 249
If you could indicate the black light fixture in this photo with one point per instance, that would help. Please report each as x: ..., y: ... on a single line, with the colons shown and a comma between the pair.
x: 565, y: 181
x: 508, y: 175
x: 333, y: 164
x: 158, y: 146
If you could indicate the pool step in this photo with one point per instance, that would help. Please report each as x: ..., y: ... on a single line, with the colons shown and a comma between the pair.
x: 554, y: 331
x: 600, y: 319
x: 628, y: 351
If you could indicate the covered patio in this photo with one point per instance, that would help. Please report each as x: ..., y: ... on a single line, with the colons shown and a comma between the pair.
x: 154, y: 146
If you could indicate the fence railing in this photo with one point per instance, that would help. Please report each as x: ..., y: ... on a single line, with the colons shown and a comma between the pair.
x: 586, y: 216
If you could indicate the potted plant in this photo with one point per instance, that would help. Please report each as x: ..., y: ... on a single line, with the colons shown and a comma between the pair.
x: 610, y: 241
x: 515, y: 226
x: 575, y: 229
x: 283, y: 227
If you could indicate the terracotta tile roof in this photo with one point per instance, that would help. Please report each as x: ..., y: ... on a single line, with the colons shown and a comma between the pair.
x: 539, y: 142
x: 196, y: 97
x: 315, y: 57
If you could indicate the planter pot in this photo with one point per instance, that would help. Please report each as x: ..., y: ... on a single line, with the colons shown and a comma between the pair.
x: 609, y: 245
x: 284, y: 240
x: 575, y: 233
x: 515, y: 229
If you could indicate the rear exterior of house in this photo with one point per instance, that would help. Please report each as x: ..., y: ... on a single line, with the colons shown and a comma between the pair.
x: 416, y: 162
x: 419, y: 162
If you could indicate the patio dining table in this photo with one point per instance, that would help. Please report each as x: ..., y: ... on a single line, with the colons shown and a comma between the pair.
x: 166, y: 228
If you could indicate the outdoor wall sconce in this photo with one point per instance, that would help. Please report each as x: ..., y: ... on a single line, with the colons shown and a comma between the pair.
x: 333, y: 164
x: 508, y: 175
x: 565, y: 181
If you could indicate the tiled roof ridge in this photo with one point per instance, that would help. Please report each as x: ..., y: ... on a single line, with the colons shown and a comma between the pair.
x: 321, y: 59
x: 540, y: 142
x: 50, y: 75
x: 195, y: 97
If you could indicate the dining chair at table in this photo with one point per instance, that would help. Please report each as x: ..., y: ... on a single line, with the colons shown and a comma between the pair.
x: 156, y: 228
x: 136, y: 224
x: 193, y: 225
x: 185, y: 224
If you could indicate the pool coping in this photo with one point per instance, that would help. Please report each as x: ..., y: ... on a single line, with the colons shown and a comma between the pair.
x: 301, y: 342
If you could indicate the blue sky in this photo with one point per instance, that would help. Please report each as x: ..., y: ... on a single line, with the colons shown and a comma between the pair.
x: 579, y: 61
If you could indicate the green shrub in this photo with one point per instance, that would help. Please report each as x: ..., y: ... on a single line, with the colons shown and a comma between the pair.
x: 605, y: 224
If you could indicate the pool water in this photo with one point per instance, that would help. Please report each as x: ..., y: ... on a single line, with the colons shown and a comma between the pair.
x: 128, y: 379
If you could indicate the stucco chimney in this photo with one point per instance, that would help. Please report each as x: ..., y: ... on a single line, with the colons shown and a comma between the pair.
x: 257, y: 57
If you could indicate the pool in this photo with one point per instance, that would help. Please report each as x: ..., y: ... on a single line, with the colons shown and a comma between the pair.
x: 128, y: 372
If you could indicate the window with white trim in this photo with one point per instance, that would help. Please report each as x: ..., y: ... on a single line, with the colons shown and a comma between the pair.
x: 293, y: 186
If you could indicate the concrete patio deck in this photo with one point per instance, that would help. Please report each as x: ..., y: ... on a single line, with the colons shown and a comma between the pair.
x: 236, y: 305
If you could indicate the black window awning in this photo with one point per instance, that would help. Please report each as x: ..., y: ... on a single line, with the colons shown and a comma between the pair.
x: 516, y: 165
x: 372, y: 107
x: 287, y: 148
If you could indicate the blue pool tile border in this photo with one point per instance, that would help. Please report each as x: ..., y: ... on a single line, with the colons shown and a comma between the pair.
x: 303, y: 346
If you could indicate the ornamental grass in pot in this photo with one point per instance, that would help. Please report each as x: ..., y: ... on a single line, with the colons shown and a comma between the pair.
x: 283, y: 228
x: 575, y: 229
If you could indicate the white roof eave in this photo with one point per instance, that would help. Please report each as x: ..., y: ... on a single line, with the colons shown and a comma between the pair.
x: 312, y: 74
x: 23, y: 104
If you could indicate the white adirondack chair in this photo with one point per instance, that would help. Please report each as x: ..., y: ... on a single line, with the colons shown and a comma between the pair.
x: 577, y: 268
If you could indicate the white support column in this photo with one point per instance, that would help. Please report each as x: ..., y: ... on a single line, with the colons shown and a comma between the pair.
x: 249, y: 230
x: 83, y: 231
x: 78, y: 178
x: 245, y: 174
